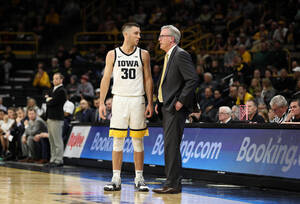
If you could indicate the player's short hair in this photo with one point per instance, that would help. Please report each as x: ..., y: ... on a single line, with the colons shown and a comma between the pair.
x: 126, y: 26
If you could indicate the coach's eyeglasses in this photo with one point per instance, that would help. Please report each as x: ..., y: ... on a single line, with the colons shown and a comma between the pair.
x: 161, y: 36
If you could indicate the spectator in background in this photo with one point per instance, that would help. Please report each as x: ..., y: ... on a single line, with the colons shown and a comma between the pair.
x: 54, y: 68
x: 34, y: 126
x: 96, y: 110
x: 5, y: 136
x: 229, y: 56
x: 294, y: 114
x: 85, y: 89
x: 280, y: 32
x: 17, y: 130
x: 279, y: 106
x: 208, y: 82
x: 224, y: 115
x: 31, y: 103
x: 155, y: 75
x: 261, y: 58
x: 41, y: 79
x: 230, y: 100
x: 255, y: 88
x: 72, y: 88
x: 68, y: 108
x: 243, y: 95
x: 246, y: 56
x: 278, y: 57
x: 267, y: 91
x: 85, y: 114
x: 235, y: 112
x: 253, y: 115
x: 2, y: 107
x: 67, y: 70
x: 108, y: 105
x: 284, y: 84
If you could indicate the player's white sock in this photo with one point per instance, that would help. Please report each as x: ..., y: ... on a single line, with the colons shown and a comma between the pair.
x: 116, y: 176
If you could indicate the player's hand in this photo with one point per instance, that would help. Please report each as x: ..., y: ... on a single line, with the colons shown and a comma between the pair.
x: 178, y: 105
x: 102, y: 111
x: 149, y: 111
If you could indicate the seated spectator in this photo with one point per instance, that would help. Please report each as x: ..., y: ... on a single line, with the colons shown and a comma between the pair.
x: 224, y: 115
x: 264, y: 114
x: 31, y: 103
x: 5, y: 136
x: 294, y: 115
x: 235, y: 112
x: 16, y: 131
x: 2, y: 107
x: 96, y: 106
x: 41, y: 79
x: 68, y: 108
x: 85, y: 89
x: 54, y: 68
x: 108, y: 105
x: 253, y: 115
x: 67, y: 70
x: 246, y: 56
x: 34, y: 126
x: 255, y: 88
x: 243, y: 95
x: 208, y: 82
x: 267, y: 91
x: 284, y: 84
x: 85, y: 114
x: 230, y: 100
x: 279, y: 106
x: 72, y: 88
x: 43, y: 139
x: 229, y: 57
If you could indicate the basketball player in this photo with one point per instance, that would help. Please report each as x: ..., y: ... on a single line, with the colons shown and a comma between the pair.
x: 131, y: 70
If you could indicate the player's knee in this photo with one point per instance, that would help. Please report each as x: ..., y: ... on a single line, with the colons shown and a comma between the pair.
x: 138, y: 144
x: 118, y: 144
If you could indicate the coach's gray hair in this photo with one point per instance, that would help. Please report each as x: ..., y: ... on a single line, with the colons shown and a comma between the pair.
x: 278, y: 100
x: 173, y: 32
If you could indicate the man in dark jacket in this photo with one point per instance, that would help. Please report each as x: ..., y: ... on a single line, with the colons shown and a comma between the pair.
x: 55, y: 120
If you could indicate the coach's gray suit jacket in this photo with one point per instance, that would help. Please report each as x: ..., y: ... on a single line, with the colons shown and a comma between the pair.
x: 180, y: 80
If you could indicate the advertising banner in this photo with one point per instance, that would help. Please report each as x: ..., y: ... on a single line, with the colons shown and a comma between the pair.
x: 76, y: 141
x: 268, y: 152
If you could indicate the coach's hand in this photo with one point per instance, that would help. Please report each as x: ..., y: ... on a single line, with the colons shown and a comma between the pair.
x: 149, y: 111
x: 102, y: 111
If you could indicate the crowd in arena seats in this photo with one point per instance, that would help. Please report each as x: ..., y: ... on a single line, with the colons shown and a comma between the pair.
x: 45, y: 18
x: 249, y: 66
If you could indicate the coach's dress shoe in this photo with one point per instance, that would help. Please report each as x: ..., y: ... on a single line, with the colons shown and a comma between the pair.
x: 167, y: 190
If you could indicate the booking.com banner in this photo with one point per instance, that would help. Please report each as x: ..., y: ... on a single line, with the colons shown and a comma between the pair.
x: 268, y: 152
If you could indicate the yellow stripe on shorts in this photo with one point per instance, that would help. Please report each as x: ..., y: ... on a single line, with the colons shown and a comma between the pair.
x: 139, y: 133
x: 117, y: 133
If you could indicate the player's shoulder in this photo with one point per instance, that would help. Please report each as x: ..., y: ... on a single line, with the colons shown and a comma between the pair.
x: 144, y: 53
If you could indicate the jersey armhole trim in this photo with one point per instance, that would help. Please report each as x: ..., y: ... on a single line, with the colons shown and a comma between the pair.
x: 115, y: 56
x: 141, y: 57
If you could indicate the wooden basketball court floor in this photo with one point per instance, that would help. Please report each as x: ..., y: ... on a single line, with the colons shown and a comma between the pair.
x: 22, y: 183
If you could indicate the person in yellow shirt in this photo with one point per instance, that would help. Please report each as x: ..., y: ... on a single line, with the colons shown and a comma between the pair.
x: 262, y: 32
x: 243, y: 95
x: 41, y: 79
x: 52, y: 17
x: 246, y: 56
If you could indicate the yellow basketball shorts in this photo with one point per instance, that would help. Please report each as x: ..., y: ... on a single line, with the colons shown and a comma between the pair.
x: 128, y: 111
